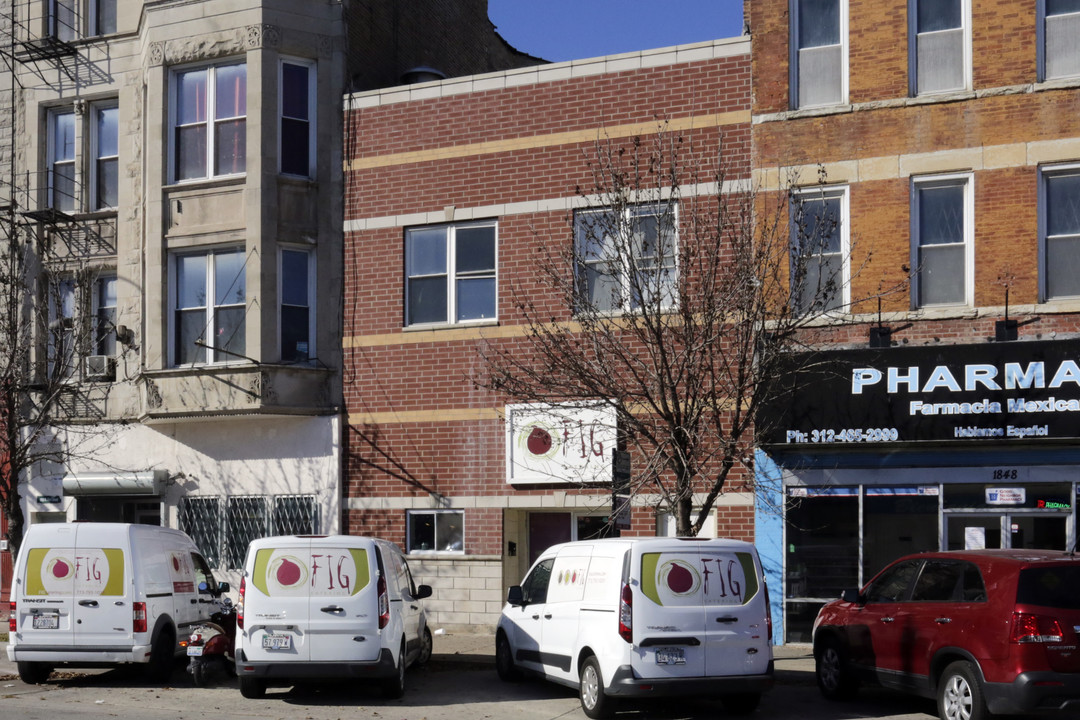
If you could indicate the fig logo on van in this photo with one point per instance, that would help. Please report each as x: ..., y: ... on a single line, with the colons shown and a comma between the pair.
x: 679, y: 577
x: 675, y: 579
x: 293, y: 572
x: 67, y: 571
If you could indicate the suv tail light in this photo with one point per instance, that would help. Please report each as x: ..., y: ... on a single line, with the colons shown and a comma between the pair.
x: 626, y: 613
x: 240, y: 604
x: 138, y: 617
x: 12, y: 622
x: 384, y: 602
x: 1031, y: 628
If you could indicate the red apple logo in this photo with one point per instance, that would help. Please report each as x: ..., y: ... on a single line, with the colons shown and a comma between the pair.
x: 539, y: 442
x: 679, y: 579
x: 288, y: 571
x: 59, y: 569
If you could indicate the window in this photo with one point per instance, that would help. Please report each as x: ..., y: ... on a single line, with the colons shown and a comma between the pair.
x: 938, y: 46
x: 104, y: 310
x: 222, y: 528
x: 100, y: 168
x: 893, y: 584
x: 819, y: 52
x: 436, y: 531
x: 102, y: 17
x: 297, y: 305
x: 210, y: 135
x: 62, y: 174
x: 106, y: 154
x: 200, y: 518
x: 66, y: 18
x: 819, y: 249
x: 626, y: 259
x: 297, y: 130
x: 535, y: 587
x: 62, y: 353
x: 941, y: 229
x: 450, y: 274
x: 210, y: 295
x: 1058, y: 28
x: 1059, y: 233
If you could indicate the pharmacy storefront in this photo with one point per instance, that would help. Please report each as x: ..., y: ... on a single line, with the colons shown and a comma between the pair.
x: 867, y: 455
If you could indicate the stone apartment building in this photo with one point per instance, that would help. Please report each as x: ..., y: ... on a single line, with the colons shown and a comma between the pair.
x: 948, y: 134
x: 451, y: 189
x: 187, y: 159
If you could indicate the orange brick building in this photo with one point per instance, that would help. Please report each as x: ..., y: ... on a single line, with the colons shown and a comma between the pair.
x: 451, y: 186
x: 949, y: 138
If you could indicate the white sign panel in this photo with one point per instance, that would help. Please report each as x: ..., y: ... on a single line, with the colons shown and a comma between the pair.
x: 559, y: 443
x: 1006, y: 496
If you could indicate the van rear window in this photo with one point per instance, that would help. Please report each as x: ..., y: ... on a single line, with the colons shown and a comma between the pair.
x: 1055, y: 586
x: 691, y: 578
x: 325, y: 572
x: 82, y: 572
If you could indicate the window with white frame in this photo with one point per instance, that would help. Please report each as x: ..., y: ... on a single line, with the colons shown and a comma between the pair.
x: 63, y: 356
x: 104, y: 313
x: 1059, y: 233
x: 818, y: 52
x: 296, y: 131
x: 626, y: 259
x: 942, y: 224
x: 71, y: 170
x: 62, y: 167
x: 105, y: 151
x: 939, y: 45
x: 209, y: 306
x: 819, y: 249
x: 210, y: 121
x: 297, y: 304
x: 1059, y: 28
x: 436, y: 531
x: 450, y: 274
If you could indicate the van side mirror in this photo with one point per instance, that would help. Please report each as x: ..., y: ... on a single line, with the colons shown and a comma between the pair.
x: 851, y: 596
x: 514, y: 596
x: 423, y: 591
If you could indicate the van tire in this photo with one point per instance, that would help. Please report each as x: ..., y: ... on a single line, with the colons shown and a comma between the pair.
x: 34, y: 673
x: 834, y: 677
x: 393, y: 688
x: 591, y: 689
x: 252, y: 687
x: 504, y: 660
x: 426, y: 646
x: 162, y: 656
x: 741, y: 703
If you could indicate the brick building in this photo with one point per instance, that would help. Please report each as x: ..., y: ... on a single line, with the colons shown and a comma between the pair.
x: 485, y: 168
x: 949, y: 137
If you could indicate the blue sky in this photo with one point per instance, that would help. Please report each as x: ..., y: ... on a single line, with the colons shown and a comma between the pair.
x: 559, y: 30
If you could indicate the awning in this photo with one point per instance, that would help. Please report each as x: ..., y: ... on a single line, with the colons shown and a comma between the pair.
x: 137, y: 483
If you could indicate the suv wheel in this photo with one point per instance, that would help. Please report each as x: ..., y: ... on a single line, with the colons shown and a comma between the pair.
x: 834, y: 678
x: 960, y: 696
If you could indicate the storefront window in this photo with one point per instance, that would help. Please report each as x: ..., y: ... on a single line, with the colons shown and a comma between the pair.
x: 897, y: 522
x: 1002, y: 495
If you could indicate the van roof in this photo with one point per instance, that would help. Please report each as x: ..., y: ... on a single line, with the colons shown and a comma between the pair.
x: 659, y: 543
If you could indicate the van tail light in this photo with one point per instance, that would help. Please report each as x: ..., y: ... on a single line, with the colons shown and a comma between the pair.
x: 768, y: 614
x: 626, y: 613
x: 139, y: 617
x: 384, y: 603
x: 240, y: 604
x: 1031, y: 628
x: 12, y: 622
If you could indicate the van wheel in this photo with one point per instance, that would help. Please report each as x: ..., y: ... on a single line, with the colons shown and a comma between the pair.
x: 162, y: 656
x: 252, y: 687
x: 504, y: 660
x: 960, y: 696
x: 741, y: 703
x: 34, y: 673
x: 395, y: 686
x: 591, y: 689
x: 834, y: 678
x: 426, y: 645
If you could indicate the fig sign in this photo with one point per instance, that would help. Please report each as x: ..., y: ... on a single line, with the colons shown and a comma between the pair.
x: 560, y: 443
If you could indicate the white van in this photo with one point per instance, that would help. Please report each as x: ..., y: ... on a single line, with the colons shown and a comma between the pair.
x: 336, y: 606
x: 639, y: 617
x: 90, y: 594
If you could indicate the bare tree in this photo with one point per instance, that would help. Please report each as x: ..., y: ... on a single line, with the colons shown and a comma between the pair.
x: 679, y: 293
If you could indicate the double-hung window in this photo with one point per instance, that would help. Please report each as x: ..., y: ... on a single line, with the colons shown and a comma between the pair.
x: 104, y: 313
x: 626, y: 259
x: 102, y: 17
x: 210, y: 121
x: 63, y: 317
x: 209, y: 307
x: 450, y: 274
x: 818, y: 52
x: 939, y: 46
x: 71, y: 19
x: 297, y: 319
x: 105, y: 151
x: 64, y: 20
x: 296, y: 131
x: 819, y: 250
x: 71, y: 170
x: 1057, y: 30
x: 1059, y: 233
x: 942, y: 211
x: 63, y: 175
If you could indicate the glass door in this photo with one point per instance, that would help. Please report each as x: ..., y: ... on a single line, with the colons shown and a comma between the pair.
x: 975, y: 532
x: 1006, y: 530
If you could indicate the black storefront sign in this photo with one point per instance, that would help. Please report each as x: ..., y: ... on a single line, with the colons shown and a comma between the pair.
x: 993, y: 393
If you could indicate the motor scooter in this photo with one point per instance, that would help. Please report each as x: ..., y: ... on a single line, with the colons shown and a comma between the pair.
x: 211, y: 644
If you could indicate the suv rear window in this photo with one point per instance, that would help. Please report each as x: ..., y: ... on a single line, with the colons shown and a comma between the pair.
x: 1050, y: 587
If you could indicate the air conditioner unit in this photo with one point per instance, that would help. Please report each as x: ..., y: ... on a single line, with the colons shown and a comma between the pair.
x: 99, y: 367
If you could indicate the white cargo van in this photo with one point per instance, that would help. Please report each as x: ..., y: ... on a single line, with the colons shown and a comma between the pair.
x: 89, y: 594
x: 634, y: 617
x: 328, y: 607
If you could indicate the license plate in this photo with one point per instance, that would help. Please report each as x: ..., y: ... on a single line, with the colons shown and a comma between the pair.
x: 46, y: 622
x: 670, y: 656
x: 194, y: 650
x: 277, y: 642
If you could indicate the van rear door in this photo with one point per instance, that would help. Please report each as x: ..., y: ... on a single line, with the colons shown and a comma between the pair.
x: 276, y: 602
x: 47, y: 598
x: 343, y: 608
x: 669, y: 613
x: 102, y: 603
x: 736, y: 632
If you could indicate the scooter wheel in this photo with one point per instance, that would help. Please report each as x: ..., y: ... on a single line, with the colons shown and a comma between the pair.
x: 198, y: 674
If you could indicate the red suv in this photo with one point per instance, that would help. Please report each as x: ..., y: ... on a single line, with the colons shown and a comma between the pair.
x: 983, y: 631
